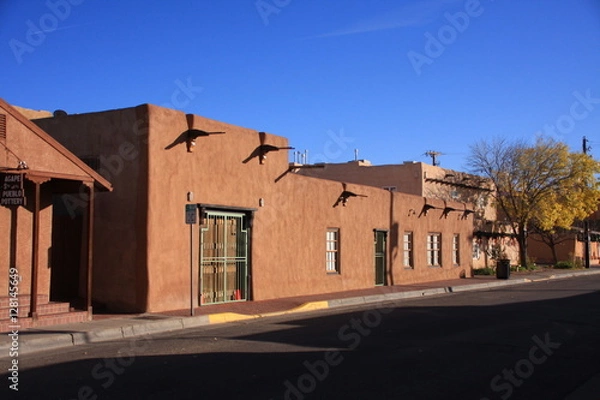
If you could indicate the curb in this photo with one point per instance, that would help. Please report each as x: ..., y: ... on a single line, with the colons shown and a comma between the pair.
x: 132, y: 329
x: 568, y: 275
x: 489, y: 285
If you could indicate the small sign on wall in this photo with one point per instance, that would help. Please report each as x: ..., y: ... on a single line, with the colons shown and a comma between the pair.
x: 12, y: 193
x: 191, y: 214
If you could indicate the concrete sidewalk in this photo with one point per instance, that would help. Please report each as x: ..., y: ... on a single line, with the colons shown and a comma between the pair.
x: 112, y: 327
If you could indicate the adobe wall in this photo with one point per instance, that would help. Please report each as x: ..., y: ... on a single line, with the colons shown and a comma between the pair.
x: 33, y: 149
x: 16, y: 223
x: 116, y: 142
x: 288, y: 234
x: 142, y: 246
x: 407, y: 177
x: 16, y: 243
x: 567, y: 250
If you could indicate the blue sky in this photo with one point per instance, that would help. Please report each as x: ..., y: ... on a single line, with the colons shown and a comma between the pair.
x: 390, y: 78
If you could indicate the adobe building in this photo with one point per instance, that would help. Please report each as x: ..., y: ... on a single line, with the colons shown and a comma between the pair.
x: 262, y: 231
x: 45, y: 255
x: 568, y: 245
x: 489, y: 236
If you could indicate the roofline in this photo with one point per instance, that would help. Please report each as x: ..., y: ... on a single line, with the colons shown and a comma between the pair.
x: 101, y: 182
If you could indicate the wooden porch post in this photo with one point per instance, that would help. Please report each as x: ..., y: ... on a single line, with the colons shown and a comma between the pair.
x: 35, y: 245
x: 89, y: 243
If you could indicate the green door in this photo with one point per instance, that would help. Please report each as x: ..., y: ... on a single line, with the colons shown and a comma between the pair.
x: 223, y: 257
x: 380, y: 257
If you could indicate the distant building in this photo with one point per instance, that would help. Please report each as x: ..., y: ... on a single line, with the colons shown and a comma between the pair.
x: 263, y: 231
x: 490, y: 236
x: 569, y: 245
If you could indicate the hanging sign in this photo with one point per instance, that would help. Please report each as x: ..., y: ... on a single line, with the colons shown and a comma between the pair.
x: 12, y: 193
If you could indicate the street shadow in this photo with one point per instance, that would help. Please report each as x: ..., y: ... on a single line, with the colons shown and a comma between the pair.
x: 408, y: 350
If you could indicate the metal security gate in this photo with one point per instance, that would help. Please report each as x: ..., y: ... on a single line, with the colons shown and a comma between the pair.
x: 380, y: 262
x: 223, y: 257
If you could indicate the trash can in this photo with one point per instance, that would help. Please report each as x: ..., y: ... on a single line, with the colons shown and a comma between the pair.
x: 503, y: 269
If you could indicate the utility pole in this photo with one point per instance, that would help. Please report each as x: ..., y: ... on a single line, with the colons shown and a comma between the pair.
x: 434, y: 154
x: 586, y: 223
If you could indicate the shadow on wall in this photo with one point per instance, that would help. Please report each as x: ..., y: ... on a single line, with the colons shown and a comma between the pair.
x: 189, y: 138
x: 394, y: 240
x: 263, y: 148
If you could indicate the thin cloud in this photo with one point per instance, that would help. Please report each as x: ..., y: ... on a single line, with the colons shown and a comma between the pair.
x: 416, y: 14
x: 62, y: 28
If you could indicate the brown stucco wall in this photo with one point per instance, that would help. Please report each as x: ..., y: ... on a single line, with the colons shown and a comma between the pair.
x: 413, y: 178
x: 33, y: 149
x: 16, y: 243
x: 216, y: 173
x: 116, y: 141
x: 569, y: 249
x: 142, y: 248
x: 16, y: 223
x: 407, y: 177
x: 32, y: 114
x: 288, y: 234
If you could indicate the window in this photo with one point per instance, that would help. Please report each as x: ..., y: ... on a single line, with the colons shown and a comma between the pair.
x: 332, y: 263
x: 476, y: 250
x: 456, y: 249
x: 481, y: 201
x: 408, y: 250
x: 434, y: 249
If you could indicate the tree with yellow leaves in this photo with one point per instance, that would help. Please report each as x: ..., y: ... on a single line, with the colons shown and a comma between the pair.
x: 543, y: 185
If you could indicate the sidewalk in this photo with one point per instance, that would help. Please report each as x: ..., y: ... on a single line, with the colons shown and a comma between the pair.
x: 112, y: 327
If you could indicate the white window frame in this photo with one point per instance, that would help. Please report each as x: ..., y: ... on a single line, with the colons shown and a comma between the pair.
x: 456, y: 249
x: 434, y: 249
x: 332, y: 251
x: 407, y: 247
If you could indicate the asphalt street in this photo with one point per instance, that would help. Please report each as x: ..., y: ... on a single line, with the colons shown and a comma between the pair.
x: 533, y: 341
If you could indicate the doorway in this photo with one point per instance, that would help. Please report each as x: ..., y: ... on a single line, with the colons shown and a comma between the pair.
x: 380, y: 245
x: 223, y: 257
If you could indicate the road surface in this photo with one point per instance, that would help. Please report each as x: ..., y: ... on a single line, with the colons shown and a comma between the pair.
x: 530, y: 341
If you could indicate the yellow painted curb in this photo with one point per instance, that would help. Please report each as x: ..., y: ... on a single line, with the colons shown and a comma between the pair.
x: 228, y: 317
x: 310, y: 306
x: 232, y: 317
